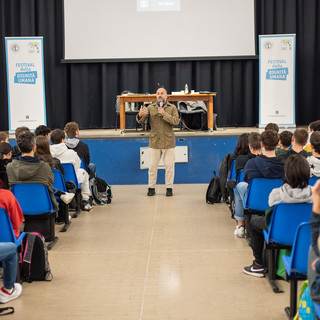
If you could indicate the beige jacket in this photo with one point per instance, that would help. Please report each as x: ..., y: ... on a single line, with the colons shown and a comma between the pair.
x: 161, y: 135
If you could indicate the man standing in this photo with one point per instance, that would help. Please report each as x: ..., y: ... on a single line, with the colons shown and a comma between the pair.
x: 162, y: 116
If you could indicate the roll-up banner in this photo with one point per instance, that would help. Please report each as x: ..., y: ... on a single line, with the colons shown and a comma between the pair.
x: 25, y: 82
x: 277, y: 80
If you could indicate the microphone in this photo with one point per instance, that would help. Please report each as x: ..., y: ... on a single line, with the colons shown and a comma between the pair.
x: 161, y: 104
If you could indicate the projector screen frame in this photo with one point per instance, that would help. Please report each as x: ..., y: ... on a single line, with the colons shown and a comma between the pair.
x: 163, y: 59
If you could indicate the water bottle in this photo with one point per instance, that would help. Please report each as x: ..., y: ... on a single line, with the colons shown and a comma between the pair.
x: 186, y: 90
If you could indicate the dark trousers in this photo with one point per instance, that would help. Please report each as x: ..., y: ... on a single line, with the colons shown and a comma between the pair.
x: 257, y: 225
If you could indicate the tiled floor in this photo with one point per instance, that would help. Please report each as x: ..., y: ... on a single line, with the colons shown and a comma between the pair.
x: 151, y: 258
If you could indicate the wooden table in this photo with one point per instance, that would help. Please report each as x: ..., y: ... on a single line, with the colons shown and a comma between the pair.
x: 178, y: 97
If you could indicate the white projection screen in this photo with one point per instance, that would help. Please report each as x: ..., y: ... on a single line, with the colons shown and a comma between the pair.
x: 158, y: 29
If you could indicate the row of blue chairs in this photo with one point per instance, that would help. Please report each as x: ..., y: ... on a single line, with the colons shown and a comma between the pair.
x: 37, y: 208
x: 38, y: 211
x: 289, y: 228
x: 284, y: 232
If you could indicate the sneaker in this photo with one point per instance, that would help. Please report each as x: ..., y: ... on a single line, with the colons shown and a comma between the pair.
x: 87, y: 206
x: 255, y: 270
x: 151, y: 192
x: 5, y: 296
x: 67, y: 197
x: 169, y: 192
x: 239, y: 231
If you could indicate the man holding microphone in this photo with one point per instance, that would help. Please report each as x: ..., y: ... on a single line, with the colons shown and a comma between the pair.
x: 163, y: 116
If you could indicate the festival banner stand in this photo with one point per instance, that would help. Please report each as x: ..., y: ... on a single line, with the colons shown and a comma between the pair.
x: 277, y: 80
x: 25, y: 82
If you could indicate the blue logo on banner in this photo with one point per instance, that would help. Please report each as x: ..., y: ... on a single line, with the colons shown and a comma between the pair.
x: 277, y: 74
x: 26, y: 77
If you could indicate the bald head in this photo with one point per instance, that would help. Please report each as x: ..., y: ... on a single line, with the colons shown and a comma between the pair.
x: 162, y: 95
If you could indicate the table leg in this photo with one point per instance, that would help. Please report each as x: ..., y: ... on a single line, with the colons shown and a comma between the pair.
x: 210, y: 113
x: 122, y: 116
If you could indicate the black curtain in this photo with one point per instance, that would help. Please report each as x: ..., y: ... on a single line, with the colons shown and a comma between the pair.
x: 86, y: 92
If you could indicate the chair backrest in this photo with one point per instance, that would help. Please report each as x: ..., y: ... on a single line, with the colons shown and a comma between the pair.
x: 313, y: 180
x: 258, y: 193
x: 33, y: 198
x: 285, y: 220
x: 300, y: 249
x: 70, y: 173
x: 59, y: 181
x: 240, y: 176
x: 232, y: 174
x: 83, y: 165
x: 6, y: 229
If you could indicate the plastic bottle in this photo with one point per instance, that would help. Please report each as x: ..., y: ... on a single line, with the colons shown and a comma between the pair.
x: 186, y: 89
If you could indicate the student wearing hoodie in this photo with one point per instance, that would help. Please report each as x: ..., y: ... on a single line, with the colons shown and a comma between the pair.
x: 73, y: 142
x: 266, y: 165
x: 30, y: 169
x: 314, y: 160
x: 60, y: 151
x: 294, y: 190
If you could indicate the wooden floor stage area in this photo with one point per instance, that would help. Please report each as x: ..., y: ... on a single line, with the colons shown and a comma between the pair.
x: 146, y: 258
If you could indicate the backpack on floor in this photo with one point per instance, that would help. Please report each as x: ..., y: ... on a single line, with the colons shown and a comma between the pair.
x: 305, y: 304
x: 34, y: 259
x: 100, y: 190
x: 214, y: 191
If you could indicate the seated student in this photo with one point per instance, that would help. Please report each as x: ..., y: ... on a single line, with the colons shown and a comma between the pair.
x: 294, y: 190
x: 315, y: 228
x: 299, y: 139
x: 266, y: 165
x: 285, y: 142
x: 9, y: 258
x: 43, y: 130
x: 5, y: 158
x: 312, y: 127
x: 59, y: 150
x: 4, y: 137
x: 10, y: 203
x: 314, y: 160
x: 43, y: 152
x: 73, y: 142
x: 254, y: 141
x: 255, y: 149
x: 30, y: 169
x: 272, y: 126
x: 16, y: 153
x: 242, y: 148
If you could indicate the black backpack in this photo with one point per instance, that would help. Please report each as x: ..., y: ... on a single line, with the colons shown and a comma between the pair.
x: 100, y: 190
x: 214, y: 192
x: 34, y: 259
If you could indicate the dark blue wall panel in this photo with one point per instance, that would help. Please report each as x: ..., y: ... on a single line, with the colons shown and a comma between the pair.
x: 118, y: 160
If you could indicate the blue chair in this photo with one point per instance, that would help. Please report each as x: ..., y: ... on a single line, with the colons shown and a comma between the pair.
x: 258, y: 193
x: 232, y: 173
x: 63, y: 214
x: 296, y: 265
x: 6, y: 229
x: 313, y: 180
x: 70, y: 175
x: 36, y: 205
x: 257, y: 198
x: 284, y: 222
x: 240, y: 177
x: 83, y: 165
x: 317, y: 310
x: 7, y: 234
